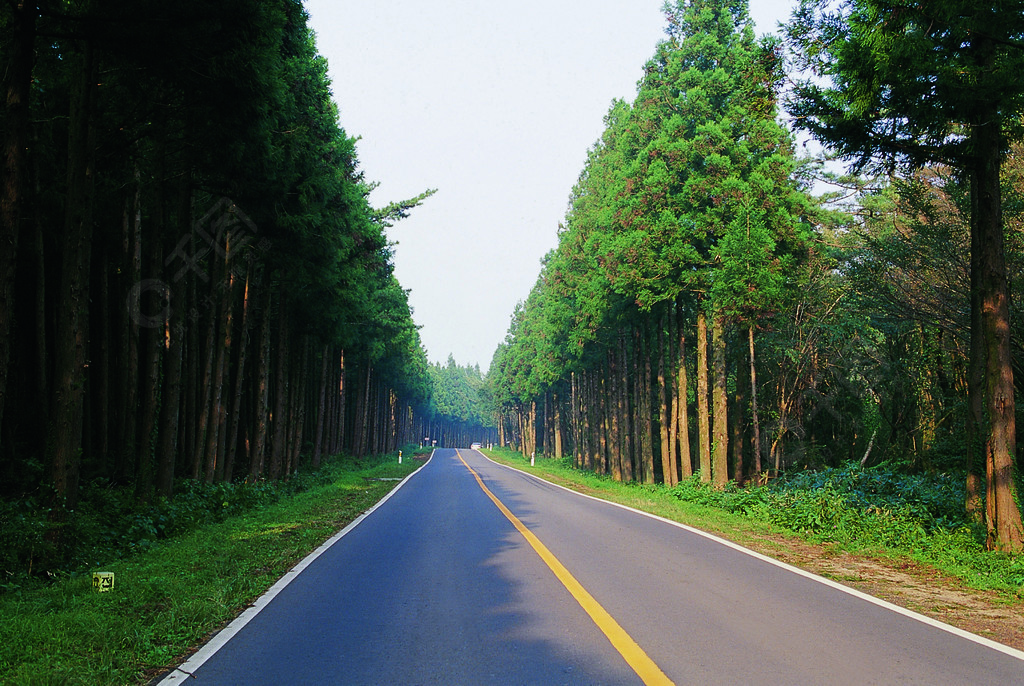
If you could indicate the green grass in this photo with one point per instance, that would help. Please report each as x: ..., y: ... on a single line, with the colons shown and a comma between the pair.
x: 170, y: 598
x: 876, y: 512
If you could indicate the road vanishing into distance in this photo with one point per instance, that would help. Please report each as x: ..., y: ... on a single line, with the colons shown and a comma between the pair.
x: 474, y: 573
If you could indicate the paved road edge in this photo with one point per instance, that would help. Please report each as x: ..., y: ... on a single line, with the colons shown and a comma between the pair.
x: 185, y: 670
x: 987, y: 642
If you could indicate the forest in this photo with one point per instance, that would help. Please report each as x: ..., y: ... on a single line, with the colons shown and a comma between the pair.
x: 725, y: 302
x: 194, y: 286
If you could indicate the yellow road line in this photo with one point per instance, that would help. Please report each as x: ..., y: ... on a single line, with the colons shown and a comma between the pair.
x: 634, y: 655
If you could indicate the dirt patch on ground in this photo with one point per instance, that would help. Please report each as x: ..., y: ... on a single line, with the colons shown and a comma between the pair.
x: 908, y: 584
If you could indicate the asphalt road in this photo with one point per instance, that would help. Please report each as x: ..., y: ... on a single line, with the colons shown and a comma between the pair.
x: 438, y: 586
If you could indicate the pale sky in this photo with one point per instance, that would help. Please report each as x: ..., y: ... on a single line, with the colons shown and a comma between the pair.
x: 495, y: 104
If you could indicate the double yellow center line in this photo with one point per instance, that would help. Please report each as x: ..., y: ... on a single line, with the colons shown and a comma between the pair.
x: 634, y: 655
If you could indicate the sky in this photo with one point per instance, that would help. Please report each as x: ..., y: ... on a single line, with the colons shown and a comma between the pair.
x: 495, y: 105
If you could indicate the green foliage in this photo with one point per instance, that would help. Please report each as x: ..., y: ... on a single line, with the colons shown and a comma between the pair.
x: 849, y: 504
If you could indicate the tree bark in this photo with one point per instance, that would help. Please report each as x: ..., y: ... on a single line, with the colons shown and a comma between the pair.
x: 663, y: 405
x: 720, y: 458
x: 321, y: 406
x: 685, y: 459
x: 71, y: 340
x: 259, y: 443
x: 988, y: 273
x: 280, y: 418
x: 756, y: 426
x: 646, y: 428
x: 235, y: 416
x: 628, y: 473
x: 703, y: 418
x: 673, y: 400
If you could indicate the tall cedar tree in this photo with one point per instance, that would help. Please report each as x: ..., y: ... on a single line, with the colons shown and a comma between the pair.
x: 907, y: 84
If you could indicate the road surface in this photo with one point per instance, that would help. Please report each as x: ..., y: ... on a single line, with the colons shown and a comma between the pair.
x: 474, y: 573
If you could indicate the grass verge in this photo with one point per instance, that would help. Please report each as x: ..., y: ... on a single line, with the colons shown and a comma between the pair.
x: 170, y: 599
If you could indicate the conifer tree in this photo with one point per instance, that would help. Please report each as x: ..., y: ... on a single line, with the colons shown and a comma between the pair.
x: 907, y: 84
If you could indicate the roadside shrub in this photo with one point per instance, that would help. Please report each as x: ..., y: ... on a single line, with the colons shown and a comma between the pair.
x: 848, y: 504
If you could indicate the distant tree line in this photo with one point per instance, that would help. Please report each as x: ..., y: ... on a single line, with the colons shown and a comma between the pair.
x: 705, y: 312
x: 462, y: 408
x: 193, y: 283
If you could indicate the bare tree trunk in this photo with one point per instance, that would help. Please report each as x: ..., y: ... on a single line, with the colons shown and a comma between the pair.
x: 71, y: 340
x: 673, y: 398
x: 614, y: 407
x: 280, y: 418
x: 262, y: 388
x: 205, y: 394
x: 235, y: 416
x: 703, y: 418
x: 124, y: 464
x: 988, y: 276
x: 753, y: 402
x: 321, y: 407
x: 154, y: 304
x: 171, y: 403
x: 646, y: 430
x: 738, y: 415
x: 663, y: 403
x: 685, y: 459
x: 624, y: 412
x: 720, y: 458
x: 558, y: 426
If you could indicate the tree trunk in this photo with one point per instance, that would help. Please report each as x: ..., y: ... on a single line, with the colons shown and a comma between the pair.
x: 646, y: 430
x: 321, y: 406
x: 720, y: 458
x: 614, y: 410
x: 205, y: 395
x: 663, y: 403
x: 738, y: 414
x: 556, y: 404
x: 71, y: 340
x: 132, y: 259
x: 624, y: 412
x: 685, y: 459
x: 259, y: 441
x: 235, y: 416
x: 171, y: 402
x: 988, y: 275
x: 753, y: 403
x: 153, y: 338
x: 673, y: 398
x: 703, y: 419
x: 280, y: 418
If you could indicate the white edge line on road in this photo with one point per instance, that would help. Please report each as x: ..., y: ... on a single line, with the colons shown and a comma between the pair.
x: 186, y: 669
x: 989, y: 643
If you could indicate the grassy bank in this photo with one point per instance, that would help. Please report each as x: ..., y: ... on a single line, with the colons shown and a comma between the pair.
x: 171, y: 597
x: 872, y: 511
